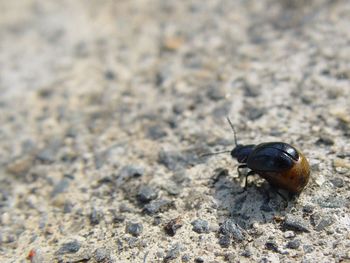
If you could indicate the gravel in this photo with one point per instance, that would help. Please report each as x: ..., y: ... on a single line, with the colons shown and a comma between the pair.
x: 106, y: 110
x: 200, y: 226
x: 134, y: 229
x: 69, y: 247
x: 146, y: 194
x: 295, y: 223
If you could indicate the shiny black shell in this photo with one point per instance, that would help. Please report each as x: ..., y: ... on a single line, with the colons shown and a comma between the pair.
x: 272, y: 157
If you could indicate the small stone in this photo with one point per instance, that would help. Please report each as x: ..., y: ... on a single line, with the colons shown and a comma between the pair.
x: 128, y: 172
x: 60, y: 187
x: 102, y: 255
x: 146, y: 194
x: 325, y: 140
x: 296, y: 224
x: 293, y: 244
x: 172, y: 226
x: 157, y: 220
x: 172, y: 188
x: 200, y: 226
x: 20, y: 166
x: 176, y: 161
x: 289, y: 234
x: 118, y: 218
x: 67, y: 207
x: 308, y: 248
x: 157, y: 206
x: 132, y: 242
x: 134, y: 229
x: 251, y: 91
x: 199, y: 260
x: 48, y: 154
x: 271, y: 245
x: 308, y: 209
x: 156, y: 132
x: 225, y: 241
x: 186, y: 258
x: 95, y: 216
x: 171, y: 160
x: 333, y: 201
x: 69, y: 248
x: 324, y: 222
x: 172, y: 253
x: 247, y: 253
x: 124, y: 208
x: 337, y: 182
x: 253, y: 113
x: 215, y: 93
x: 110, y: 75
x: 229, y: 227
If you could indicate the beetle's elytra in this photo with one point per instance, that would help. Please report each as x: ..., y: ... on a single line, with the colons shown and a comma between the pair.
x: 282, y: 165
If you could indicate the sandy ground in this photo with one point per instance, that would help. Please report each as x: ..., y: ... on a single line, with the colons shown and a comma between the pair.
x: 106, y: 107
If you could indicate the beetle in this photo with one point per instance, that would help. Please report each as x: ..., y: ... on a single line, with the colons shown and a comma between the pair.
x: 279, y: 163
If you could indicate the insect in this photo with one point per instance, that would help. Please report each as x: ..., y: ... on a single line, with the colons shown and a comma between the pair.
x: 282, y: 165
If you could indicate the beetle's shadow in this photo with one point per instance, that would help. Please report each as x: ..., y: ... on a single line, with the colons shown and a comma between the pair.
x: 259, y: 203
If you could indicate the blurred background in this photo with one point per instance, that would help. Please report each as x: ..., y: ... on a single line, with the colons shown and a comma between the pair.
x: 101, y: 98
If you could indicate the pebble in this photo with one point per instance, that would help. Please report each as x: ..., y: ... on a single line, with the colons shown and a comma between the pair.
x: 102, y: 255
x: 293, y: 244
x: 173, y: 253
x: 157, y: 206
x: 69, y: 248
x: 325, y: 140
x: 95, y: 216
x: 215, y: 93
x: 308, y: 248
x: 200, y: 226
x: 199, y: 260
x: 324, y: 222
x: 176, y: 161
x: 172, y: 226
x: 253, y: 113
x: 60, y: 187
x: 186, y: 258
x: 246, y: 253
x: 229, y: 227
x: 332, y: 201
x: 225, y: 241
x: 128, y: 172
x: 289, y: 234
x: 308, y: 209
x: 337, y: 182
x: 271, y: 245
x: 172, y: 188
x: 156, y: 132
x: 171, y: 160
x: 296, y: 224
x: 134, y: 229
x: 48, y: 154
x: 20, y: 166
x: 146, y: 194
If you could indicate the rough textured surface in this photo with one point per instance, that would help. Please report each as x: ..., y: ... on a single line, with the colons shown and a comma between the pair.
x: 101, y: 98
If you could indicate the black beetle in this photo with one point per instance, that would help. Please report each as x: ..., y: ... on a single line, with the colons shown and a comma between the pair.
x: 282, y: 165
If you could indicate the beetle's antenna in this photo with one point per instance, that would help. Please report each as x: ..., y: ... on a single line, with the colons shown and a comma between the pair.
x: 215, y: 153
x: 233, y: 129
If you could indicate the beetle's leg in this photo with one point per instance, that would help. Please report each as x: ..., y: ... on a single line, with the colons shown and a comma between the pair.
x: 240, y: 167
x: 246, y: 179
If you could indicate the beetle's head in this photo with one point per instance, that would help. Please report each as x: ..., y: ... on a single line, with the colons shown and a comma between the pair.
x: 242, y: 152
